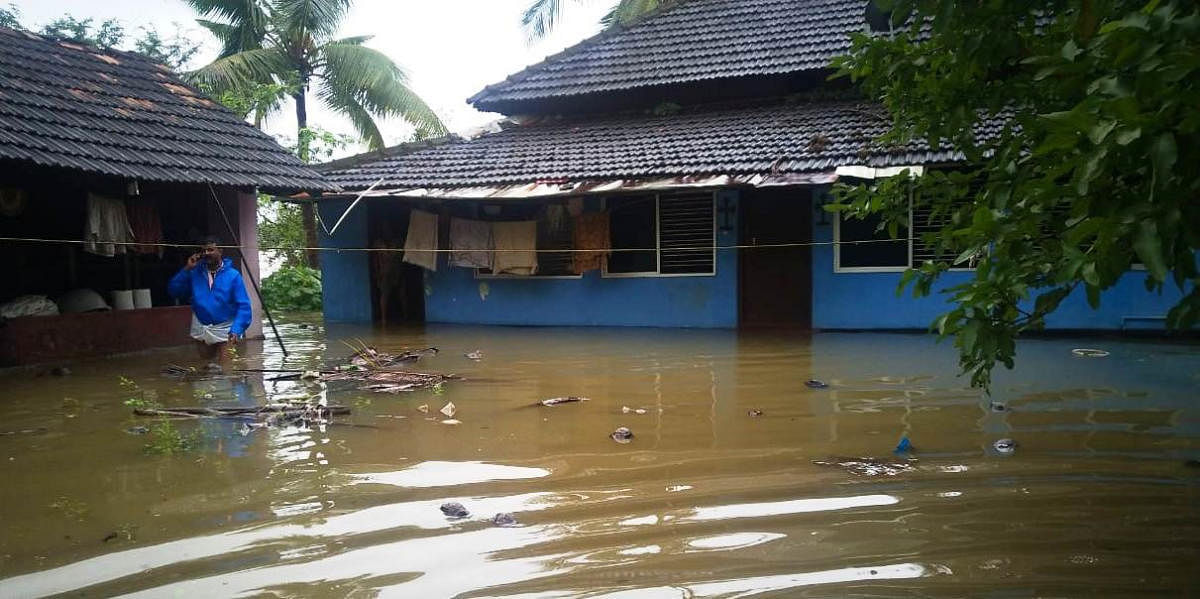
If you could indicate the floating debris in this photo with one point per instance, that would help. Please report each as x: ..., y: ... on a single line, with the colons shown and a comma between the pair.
x: 391, y: 381
x: 815, y: 384
x: 449, y: 409
x: 1005, y: 446
x: 368, y: 357
x: 451, y: 421
x: 1084, y: 352
x: 621, y: 435
x: 904, y: 446
x: 138, y: 430
x: 754, y: 413
x: 868, y: 466
x: 423, y: 408
x: 310, y: 376
x: 475, y: 355
x: 454, y: 509
x: 998, y: 407
x: 505, y: 520
x: 629, y: 410
x: 554, y: 401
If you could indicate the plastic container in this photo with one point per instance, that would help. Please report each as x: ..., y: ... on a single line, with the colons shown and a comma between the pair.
x: 122, y: 299
x: 141, y: 299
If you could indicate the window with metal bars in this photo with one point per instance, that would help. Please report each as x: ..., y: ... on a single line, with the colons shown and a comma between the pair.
x: 663, y: 235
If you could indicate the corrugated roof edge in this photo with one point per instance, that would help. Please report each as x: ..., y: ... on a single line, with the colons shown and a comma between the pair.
x: 611, y: 31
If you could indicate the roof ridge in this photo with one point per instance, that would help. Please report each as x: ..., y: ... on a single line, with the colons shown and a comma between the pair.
x: 582, y: 45
x: 70, y: 44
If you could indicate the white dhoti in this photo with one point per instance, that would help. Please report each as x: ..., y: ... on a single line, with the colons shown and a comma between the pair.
x: 211, y: 334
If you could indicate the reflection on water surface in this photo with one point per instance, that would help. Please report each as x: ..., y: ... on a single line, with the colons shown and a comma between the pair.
x: 706, y: 501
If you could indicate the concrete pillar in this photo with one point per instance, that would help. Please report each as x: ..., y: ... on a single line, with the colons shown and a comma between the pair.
x: 247, y: 224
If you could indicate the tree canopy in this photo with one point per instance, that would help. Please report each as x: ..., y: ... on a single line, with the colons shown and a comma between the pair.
x: 1097, y: 107
x: 292, y: 43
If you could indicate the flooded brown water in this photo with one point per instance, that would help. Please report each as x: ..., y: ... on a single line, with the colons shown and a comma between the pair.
x: 708, y: 500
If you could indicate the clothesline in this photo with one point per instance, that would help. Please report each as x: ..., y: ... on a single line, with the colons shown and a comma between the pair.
x: 445, y: 250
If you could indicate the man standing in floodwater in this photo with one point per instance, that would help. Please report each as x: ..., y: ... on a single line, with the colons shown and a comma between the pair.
x: 220, y: 306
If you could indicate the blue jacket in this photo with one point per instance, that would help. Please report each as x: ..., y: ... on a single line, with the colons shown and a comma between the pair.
x: 227, y: 300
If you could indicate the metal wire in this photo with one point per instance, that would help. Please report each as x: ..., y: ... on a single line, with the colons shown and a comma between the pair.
x: 400, y: 249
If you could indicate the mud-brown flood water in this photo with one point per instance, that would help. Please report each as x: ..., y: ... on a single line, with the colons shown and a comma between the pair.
x: 708, y: 500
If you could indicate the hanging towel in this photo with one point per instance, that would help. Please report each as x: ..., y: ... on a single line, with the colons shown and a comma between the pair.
x: 471, y: 243
x: 106, y: 223
x: 420, y: 247
x: 145, y: 224
x: 591, y: 233
x: 520, y: 241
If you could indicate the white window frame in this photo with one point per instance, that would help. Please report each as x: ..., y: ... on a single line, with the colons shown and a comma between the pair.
x: 910, y: 240
x: 658, y: 274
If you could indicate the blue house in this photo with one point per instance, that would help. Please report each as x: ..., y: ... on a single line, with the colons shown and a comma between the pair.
x: 667, y: 174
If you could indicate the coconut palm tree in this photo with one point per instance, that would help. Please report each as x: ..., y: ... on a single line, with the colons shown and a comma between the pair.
x: 290, y: 44
x: 542, y: 15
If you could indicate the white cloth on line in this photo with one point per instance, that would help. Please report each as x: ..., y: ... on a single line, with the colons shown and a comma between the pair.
x: 106, y: 222
x: 210, y: 334
x: 516, y: 245
x: 471, y: 243
x: 421, y: 244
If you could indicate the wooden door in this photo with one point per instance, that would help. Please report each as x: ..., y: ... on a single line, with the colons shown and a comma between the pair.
x: 775, y: 283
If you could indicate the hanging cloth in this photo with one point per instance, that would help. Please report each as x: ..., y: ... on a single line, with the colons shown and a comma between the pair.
x: 421, y: 244
x: 145, y: 224
x: 106, y: 223
x: 516, y: 245
x: 471, y: 243
x: 592, y: 235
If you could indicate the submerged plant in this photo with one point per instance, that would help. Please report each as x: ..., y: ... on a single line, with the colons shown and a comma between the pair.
x: 165, y: 439
x: 138, y: 398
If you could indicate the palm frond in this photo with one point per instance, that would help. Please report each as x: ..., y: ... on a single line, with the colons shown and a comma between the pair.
x: 259, y: 65
x: 344, y: 102
x: 318, y: 19
x: 540, y: 17
x: 626, y: 12
x: 375, y: 84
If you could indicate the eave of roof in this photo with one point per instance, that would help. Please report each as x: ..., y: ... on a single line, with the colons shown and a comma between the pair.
x: 771, y: 141
x: 114, y: 113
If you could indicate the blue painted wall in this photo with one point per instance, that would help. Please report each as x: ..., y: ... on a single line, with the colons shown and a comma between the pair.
x: 454, y: 295
x: 869, y: 300
x: 345, y: 276
x: 840, y: 301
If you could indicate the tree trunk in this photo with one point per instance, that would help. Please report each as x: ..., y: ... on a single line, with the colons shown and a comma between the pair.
x: 308, y: 209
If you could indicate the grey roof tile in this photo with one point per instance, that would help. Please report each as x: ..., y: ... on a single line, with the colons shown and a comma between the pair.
x: 766, y: 138
x: 118, y: 113
x: 694, y: 40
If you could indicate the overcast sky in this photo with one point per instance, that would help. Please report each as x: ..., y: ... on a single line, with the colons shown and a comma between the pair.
x: 450, y: 48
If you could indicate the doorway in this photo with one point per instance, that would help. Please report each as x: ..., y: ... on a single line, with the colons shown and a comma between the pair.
x: 397, y: 287
x: 775, y: 283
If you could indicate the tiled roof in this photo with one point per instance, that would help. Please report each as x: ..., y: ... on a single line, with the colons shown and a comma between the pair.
x: 692, y: 41
x: 121, y: 114
x: 768, y: 139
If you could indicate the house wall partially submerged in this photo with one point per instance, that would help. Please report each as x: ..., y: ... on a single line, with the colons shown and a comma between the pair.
x: 846, y: 300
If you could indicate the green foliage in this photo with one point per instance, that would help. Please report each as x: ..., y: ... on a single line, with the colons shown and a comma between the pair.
x: 109, y: 34
x: 285, y: 41
x: 541, y: 16
x: 175, y: 52
x: 281, y: 228
x: 1089, y: 174
x: 165, y: 439
x: 256, y: 100
x: 10, y: 17
x: 293, y: 288
x: 137, y: 397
